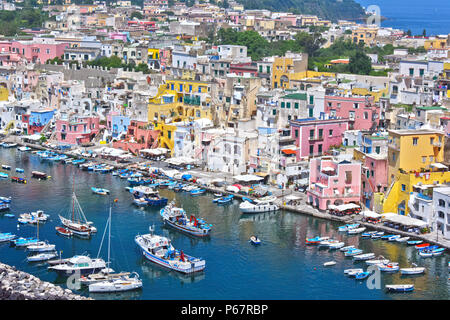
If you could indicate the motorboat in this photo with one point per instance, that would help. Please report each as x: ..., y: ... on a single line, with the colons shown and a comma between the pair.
x: 327, y: 243
x: 362, y: 275
x: 35, y: 217
x: 178, y: 219
x: 255, y: 240
x: 353, y: 272
x: 120, y: 284
x: 24, y: 242
x: 24, y: 148
x: 316, y: 240
x: 399, y: 287
x: 41, y: 246
x: 336, y: 245
x: 39, y: 175
x: 353, y: 252
x: 20, y: 170
x: 414, y: 242
x: 197, y: 192
x: 7, y: 237
x: 422, y: 245
x: 140, y: 202
x: 225, y: 200
x: 159, y: 250
x: 356, y: 230
x: 64, y: 231
x: 3, y: 175
x: 368, y: 234
x: 44, y: 256
x: 100, y: 191
x: 329, y: 263
x: 365, y: 256
x: 247, y: 207
x: 414, y: 270
x: 102, y: 275
x: 388, y: 267
x: 82, y: 264
x: 387, y: 236
x: 348, y: 227
x: 18, y: 180
x: 394, y: 238
x: 402, y: 239
x: 346, y: 248
x: 377, y: 235
x: 379, y: 260
x: 5, y: 199
x: 6, y: 167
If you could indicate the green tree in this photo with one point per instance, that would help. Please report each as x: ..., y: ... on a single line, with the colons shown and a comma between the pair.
x: 360, y: 63
x: 137, y: 14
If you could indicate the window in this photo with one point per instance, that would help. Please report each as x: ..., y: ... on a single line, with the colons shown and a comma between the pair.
x: 296, y: 133
x: 411, y: 71
x: 320, y: 148
x: 366, y: 115
x: 311, y: 99
x: 348, y: 177
x: 288, y: 105
x: 431, y: 140
x: 311, y: 149
x: 415, y: 141
x: 274, y: 112
x: 356, y: 105
x: 431, y: 158
x: 282, y: 104
x: 441, y: 203
x: 421, y: 72
x: 330, y: 133
x: 311, y: 133
x: 424, y: 159
x: 296, y: 105
x: 320, y: 133
x: 403, y: 187
x: 377, y: 149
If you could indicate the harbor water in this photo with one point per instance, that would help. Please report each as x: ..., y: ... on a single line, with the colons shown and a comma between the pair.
x: 282, y: 267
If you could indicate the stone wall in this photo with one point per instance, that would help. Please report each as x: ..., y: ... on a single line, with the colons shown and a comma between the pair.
x: 18, y: 285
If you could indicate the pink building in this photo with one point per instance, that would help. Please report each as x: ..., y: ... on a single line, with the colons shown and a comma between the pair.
x: 333, y: 182
x: 36, y: 50
x: 77, y: 130
x: 362, y: 112
x: 242, y: 68
x: 445, y: 123
x: 138, y: 138
x: 315, y: 137
x: 374, y: 177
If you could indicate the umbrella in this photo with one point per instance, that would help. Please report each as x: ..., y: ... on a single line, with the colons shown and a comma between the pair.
x: 186, y: 176
x: 233, y: 189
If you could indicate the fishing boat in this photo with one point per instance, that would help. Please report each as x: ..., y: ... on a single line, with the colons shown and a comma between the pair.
x: 362, y: 275
x: 225, y: 200
x: 247, y: 207
x: 422, y: 245
x: 77, y: 223
x: 377, y: 235
x: 159, y: 250
x: 177, y: 218
x: 394, y: 238
x: 414, y: 270
x: 44, y: 256
x: 356, y: 230
x: 348, y: 227
x: 388, y: 267
x: 18, y: 180
x: 352, y: 252
x: 365, y: 256
x: 329, y: 263
x: 346, y: 248
x: 81, y: 264
x: 414, y: 242
x: 255, y: 240
x: 431, y: 251
x: 336, y: 245
x: 399, y: 287
x: 402, y: 239
x: 64, y: 231
x: 100, y: 191
x: 315, y: 240
x: 39, y: 175
x: 197, y: 192
x: 20, y: 170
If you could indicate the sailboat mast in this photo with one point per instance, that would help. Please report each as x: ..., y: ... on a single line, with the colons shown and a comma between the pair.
x: 109, y: 240
x: 73, y: 198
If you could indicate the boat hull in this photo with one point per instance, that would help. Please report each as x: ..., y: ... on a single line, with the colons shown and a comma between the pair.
x: 197, y: 233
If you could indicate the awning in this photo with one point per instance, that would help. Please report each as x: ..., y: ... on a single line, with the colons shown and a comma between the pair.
x: 292, y: 197
x: 327, y: 169
x: 288, y: 151
x: 370, y: 214
x: 438, y: 165
x: 247, y: 178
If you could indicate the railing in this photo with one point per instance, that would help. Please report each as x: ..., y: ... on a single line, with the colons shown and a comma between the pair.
x: 317, y: 138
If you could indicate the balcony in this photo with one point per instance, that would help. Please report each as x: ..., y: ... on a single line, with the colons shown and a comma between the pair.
x: 437, y: 144
x: 316, y: 138
x: 394, y: 146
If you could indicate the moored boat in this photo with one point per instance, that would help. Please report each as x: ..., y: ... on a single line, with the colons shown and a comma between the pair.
x: 42, y: 256
x: 82, y: 264
x: 329, y: 263
x: 178, y: 219
x: 336, y: 245
x: 39, y: 175
x: 64, y: 231
x: 100, y: 191
x: 247, y: 207
x: 388, y: 267
x: 255, y: 240
x: 365, y: 256
x: 356, y: 230
x: 414, y: 270
x: 352, y: 252
x: 399, y: 287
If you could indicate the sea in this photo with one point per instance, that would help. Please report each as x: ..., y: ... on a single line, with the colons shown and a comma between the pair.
x: 281, y: 268
x: 416, y: 15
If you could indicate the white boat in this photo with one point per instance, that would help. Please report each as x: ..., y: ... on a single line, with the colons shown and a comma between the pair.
x: 394, y: 238
x: 400, y: 287
x: 24, y: 148
x: 389, y: 267
x: 78, y: 223
x: 414, y: 270
x: 356, y: 230
x: 103, y: 275
x: 327, y: 243
x: 82, y: 264
x: 255, y: 240
x: 42, y: 256
x: 41, y: 246
x: 247, y: 207
x: 377, y: 261
x: 159, y: 250
x: 268, y: 199
x: 329, y: 263
x: 346, y: 248
x: 34, y: 217
x: 403, y: 239
x: 337, y: 245
x: 178, y: 219
x: 365, y: 256
x: 353, y: 252
x: 352, y: 271
x: 110, y: 284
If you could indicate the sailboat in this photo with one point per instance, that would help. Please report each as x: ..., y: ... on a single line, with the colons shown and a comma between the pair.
x: 44, y: 249
x: 77, y: 223
x: 114, y: 283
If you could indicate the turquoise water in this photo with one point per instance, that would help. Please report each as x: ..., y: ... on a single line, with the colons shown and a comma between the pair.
x: 432, y: 15
x: 283, y: 267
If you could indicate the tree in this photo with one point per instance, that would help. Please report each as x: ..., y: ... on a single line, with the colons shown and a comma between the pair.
x: 136, y: 14
x: 424, y: 32
x: 409, y: 33
x: 310, y: 43
x: 360, y: 63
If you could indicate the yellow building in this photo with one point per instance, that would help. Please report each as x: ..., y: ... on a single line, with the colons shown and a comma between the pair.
x: 376, y: 94
x: 3, y: 93
x: 178, y: 100
x: 440, y: 43
x: 365, y: 35
x: 413, y: 157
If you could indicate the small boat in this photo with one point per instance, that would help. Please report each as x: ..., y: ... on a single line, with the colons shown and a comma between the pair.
x: 368, y: 234
x: 387, y: 236
x: 414, y: 242
x: 316, y: 240
x: 178, y: 219
x: 20, y: 170
x: 348, y: 227
x: 103, y: 275
x: 9, y: 215
x: 379, y: 260
x: 389, y: 267
x: 64, y: 231
x: 82, y: 264
x: 100, y: 191
x: 399, y: 287
x: 422, y: 245
x: 356, y: 230
x: 337, y: 245
x: 140, y: 202
x: 42, y: 256
x: 414, y: 270
x: 3, y: 175
x: 41, y: 246
x: 431, y: 251
x: 9, y: 145
x: 5, y: 199
x: 377, y: 235
x: 394, y: 238
x: 403, y: 239
x: 123, y: 283
x: 327, y: 243
x: 352, y: 272
x: 247, y: 207
x: 6, y: 167
x: 197, y: 192
x: 39, y: 175
x: 255, y: 240
x: 353, y: 252
x: 24, y: 242
x: 35, y: 217
x: 365, y: 256
x: 24, y: 148
x: 362, y: 275
x: 19, y: 180
x: 225, y: 200
x: 7, y: 237
x: 329, y: 263
x: 346, y: 248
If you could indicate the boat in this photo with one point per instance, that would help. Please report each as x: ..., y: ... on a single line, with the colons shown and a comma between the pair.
x: 368, y: 234
x: 20, y: 170
x: 377, y: 261
x: 77, y: 223
x: 123, y: 283
x: 5, y: 199
x: 348, y: 227
x: 102, y: 275
x: 413, y: 270
x: 255, y: 240
x: 140, y: 202
x: 9, y: 215
x: 100, y: 191
x: 6, y: 167
x: 64, y: 231
x: 336, y: 245
x: 388, y: 267
x: 399, y: 287
x: 327, y: 242
x: 362, y: 275
x: 7, y: 237
x: 387, y: 236
x: 365, y: 256
x: 422, y: 245
x: 19, y: 180
x: 315, y: 240
x: 81, y: 264
x: 178, y: 219
x: 402, y: 239
x: 225, y: 200
x: 247, y: 207
x: 24, y: 148
x: 35, y: 217
x: 346, y: 248
x: 329, y: 263
x: 414, y: 242
x: 356, y: 230
x: 159, y: 250
x: 431, y: 251
x: 377, y: 235
x: 197, y: 192
x: 3, y: 175
x: 353, y: 271
x: 41, y: 246
x: 353, y: 252
x: 9, y: 145
x: 24, y: 242
x: 394, y: 238
x: 39, y: 175
x: 42, y: 256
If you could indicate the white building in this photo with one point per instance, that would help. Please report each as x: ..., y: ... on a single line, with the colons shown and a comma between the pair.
x: 441, y: 204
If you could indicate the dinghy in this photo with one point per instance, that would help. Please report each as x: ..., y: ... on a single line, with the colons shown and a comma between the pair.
x: 362, y: 275
x: 365, y: 256
x: 353, y: 252
x: 346, y: 248
x: 64, y: 231
x: 353, y: 271
x: 329, y: 263
x: 42, y: 256
x: 414, y: 242
x: 414, y: 270
x: 400, y: 287
x: 356, y: 230
x: 401, y: 240
x: 337, y: 245
x: 255, y: 240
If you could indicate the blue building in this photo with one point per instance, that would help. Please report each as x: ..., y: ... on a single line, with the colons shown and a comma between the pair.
x: 119, y: 124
